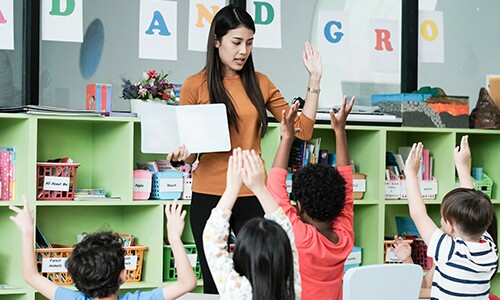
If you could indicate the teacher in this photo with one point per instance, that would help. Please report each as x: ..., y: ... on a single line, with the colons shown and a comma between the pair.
x: 229, y: 77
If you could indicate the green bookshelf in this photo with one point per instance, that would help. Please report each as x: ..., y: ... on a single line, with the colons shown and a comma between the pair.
x: 107, y: 149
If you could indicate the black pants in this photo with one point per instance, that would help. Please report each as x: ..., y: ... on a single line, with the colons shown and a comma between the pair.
x: 244, y: 209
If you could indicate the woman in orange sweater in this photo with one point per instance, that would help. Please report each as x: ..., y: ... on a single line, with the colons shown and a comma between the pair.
x: 229, y: 77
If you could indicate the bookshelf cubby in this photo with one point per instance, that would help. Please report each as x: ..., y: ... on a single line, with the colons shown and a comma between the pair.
x: 107, y: 149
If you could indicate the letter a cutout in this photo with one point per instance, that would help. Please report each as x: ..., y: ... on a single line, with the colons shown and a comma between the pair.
x: 158, y: 23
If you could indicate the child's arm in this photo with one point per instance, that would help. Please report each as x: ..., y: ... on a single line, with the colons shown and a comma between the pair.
x: 25, y: 223
x: 233, y: 181
x: 418, y: 211
x: 216, y: 232
x: 287, y: 136
x: 186, y: 280
x: 254, y: 177
x: 338, y: 125
x: 462, y: 163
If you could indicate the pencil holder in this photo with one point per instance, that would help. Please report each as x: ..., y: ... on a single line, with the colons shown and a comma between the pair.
x: 56, y: 181
x: 142, y: 184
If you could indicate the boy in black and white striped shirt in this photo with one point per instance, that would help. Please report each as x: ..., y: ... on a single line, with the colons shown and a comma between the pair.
x: 464, y: 254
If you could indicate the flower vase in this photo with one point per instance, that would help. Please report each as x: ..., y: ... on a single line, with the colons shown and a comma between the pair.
x: 135, y: 106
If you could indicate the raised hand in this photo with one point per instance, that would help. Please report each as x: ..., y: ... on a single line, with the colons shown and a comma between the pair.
x: 254, y: 173
x: 402, y: 249
x: 234, y: 171
x: 312, y: 61
x: 414, y: 160
x: 288, y: 129
x: 24, y: 218
x: 175, y: 220
x: 178, y: 154
x: 462, y: 153
x: 338, y: 121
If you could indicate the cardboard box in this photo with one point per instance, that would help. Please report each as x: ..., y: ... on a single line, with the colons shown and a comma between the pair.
x: 98, y: 97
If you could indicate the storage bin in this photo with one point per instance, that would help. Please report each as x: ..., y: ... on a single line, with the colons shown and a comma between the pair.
x: 142, y: 184
x: 354, y: 258
x: 167, y: 185
x: 396, y: 189
x: 484, y: 185
x: 51, y: 263
x: 418, y: 253
x: 56, y: 181
x: 359, y: 185
x: 170, y: 270
x: 406, y: 227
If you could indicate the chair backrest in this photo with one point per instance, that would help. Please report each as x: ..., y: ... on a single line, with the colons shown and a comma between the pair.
x: 384, y: 281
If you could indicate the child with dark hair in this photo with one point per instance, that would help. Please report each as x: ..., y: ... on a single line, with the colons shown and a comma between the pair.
x: 464, y: 253
x: 323, y: 219
x: 265, y: 262
x: 97, y: 264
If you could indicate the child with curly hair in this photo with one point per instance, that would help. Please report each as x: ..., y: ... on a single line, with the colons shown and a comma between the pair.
x: 97, y: 264
x: 323, y: 220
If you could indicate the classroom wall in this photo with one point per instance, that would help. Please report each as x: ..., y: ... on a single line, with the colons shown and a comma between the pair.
x: 63, y: 85
x: 471, y: 47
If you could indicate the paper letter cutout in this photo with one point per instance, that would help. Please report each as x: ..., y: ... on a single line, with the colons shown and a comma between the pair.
x: 156, y: 41
x: 158, y: 23
x: 259, y: 6
x: 203, y: 13
x: 56, y: 8
x: 333, y: 36
x: 424, y: 29
x: 267, y: 17
x: 328, y: 30
x: 383, y: 36
x: 431, y: 36
x: 2, y: 18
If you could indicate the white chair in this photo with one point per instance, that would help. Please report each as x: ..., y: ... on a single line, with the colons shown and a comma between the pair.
x: 384, y: 281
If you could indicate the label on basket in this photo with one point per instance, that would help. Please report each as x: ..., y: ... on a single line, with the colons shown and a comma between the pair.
x: 55, y: 183
x: 131, y: 262
x: 192, y: 259
x: 171, y: 185
x: 390, y: 257
x: 54, y: 264
x: 142, y: 185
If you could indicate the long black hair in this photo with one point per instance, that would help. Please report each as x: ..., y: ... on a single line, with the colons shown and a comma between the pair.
x: 263, y: 255
x: 228, y: 18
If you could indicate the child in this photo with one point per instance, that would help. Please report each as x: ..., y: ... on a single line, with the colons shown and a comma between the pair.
x: 464, y: 253
x: 265, y: 263
x: 323, y: 220
x: 97, y: 264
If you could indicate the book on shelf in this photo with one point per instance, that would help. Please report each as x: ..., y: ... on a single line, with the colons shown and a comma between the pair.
x: 90, y: 192
x: 7, y: 173
x: 40, y: 240
x: 95, y: 198
x: 49, y: 110
x: 121, y: 114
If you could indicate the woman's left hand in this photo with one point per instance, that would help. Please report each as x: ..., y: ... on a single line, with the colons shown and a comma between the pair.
x: 312, y: 61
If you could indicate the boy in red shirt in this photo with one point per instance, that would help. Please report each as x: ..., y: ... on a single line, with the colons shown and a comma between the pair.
x: 323, y: 220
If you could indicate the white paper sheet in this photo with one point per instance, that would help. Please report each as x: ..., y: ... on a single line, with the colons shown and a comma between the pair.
x: 202, y: 128
x: 201, y: 14
x: 63, y: 23
x: 158, y: 30
x: 7, y: 24
x: 267, y: 17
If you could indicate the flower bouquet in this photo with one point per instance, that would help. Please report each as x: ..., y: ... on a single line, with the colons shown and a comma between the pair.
x: 154, y: 86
